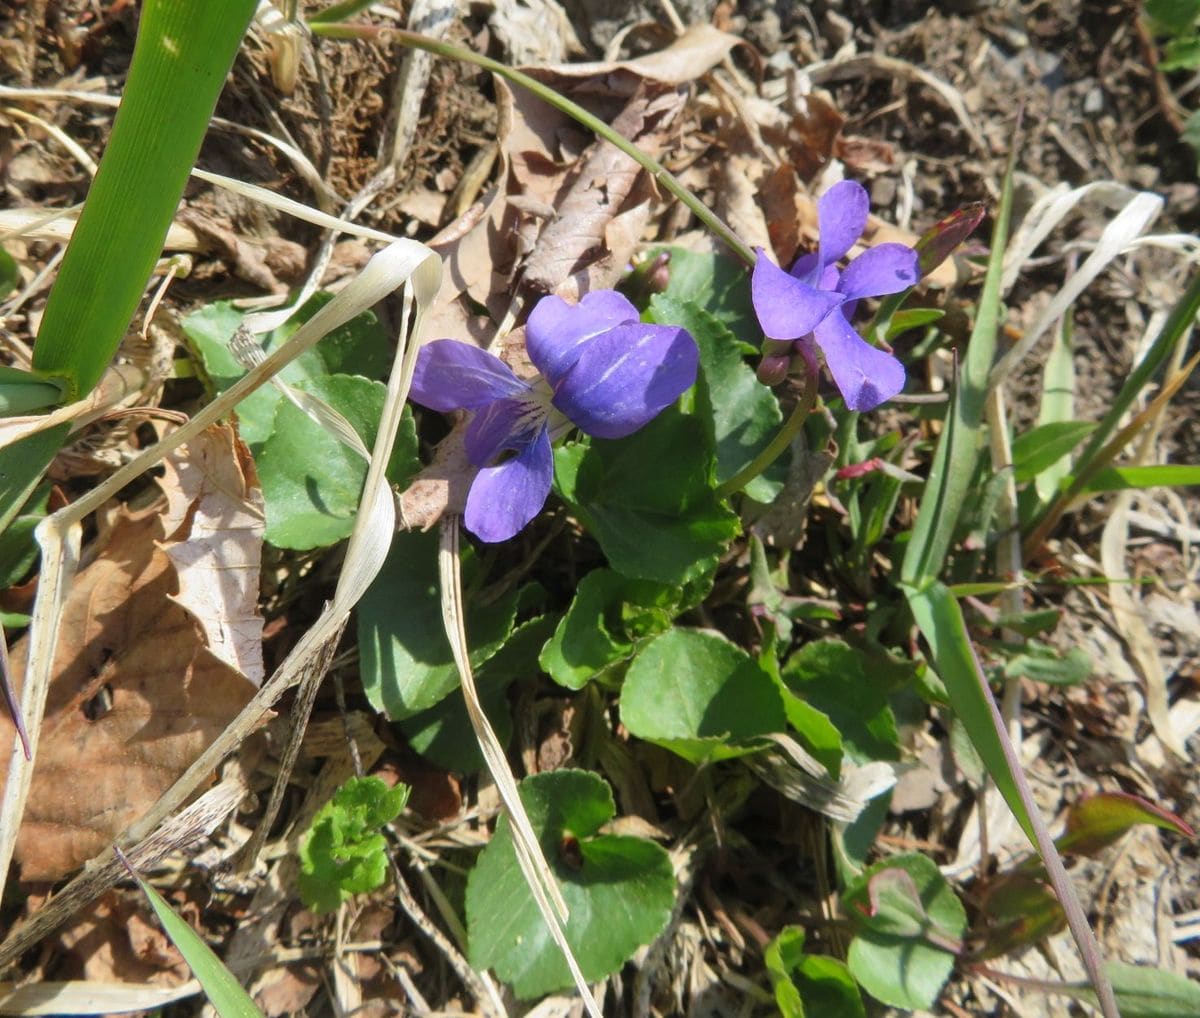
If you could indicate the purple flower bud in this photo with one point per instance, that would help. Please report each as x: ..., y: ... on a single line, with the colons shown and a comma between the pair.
x: 939, y: 241
x: 647, y: 277
x: 776, y: 359
x: 773, y: 370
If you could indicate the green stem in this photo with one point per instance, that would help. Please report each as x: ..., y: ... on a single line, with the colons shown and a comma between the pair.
x: 560, y: 102
x: 782, y: 440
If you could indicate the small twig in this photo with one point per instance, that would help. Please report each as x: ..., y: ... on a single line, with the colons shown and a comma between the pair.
x: 198, y: 820
x: 480, y: 986
x: 310, y: 682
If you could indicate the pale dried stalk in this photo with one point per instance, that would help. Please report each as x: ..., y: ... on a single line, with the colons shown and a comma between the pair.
x: 86, y: 996
x: 1125, y: 607
x: 1125, y: 227
x: 60, y: 540
x: 369, y: 540
x: 404, y: 260
x: 199, y: 820
x: 534, y: 868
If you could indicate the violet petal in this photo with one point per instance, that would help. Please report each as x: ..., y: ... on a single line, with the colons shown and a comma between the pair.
x: 888, y: 268
x: 841, y: 217
x: 504, y: 498
x: 503, y: 425
x: 450, y: 375
x: 556, y: 330
x: 865, y: 375
x: 626, y: 377
x: 786, y: 307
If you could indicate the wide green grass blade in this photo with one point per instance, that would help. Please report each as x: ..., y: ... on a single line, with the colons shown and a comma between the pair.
x: 940, y: 619
x: 222, y: 989
x: 183, y: 52
x: 963, y: 439
x: 1166, y: 475
x: 1058, y: 402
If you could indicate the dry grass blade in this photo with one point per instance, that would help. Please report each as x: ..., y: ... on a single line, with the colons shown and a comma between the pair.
x: 197, y: 821
x: 1046, y: 213
x: 59, y: 538
x: 89, y: 997
x: 1115, y: 239
x: 534, y: 867
x: 293, y: 208
x: 795, y: 773
x: 374, y: 525
x: 402, y: 261
x: 1125, y: 606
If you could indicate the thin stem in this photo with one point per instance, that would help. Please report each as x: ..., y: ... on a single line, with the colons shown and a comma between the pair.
x: 782, y: 440
x: 560, y: 102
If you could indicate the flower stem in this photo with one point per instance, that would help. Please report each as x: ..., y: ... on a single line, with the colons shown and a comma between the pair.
x: 782, y: 440
x: 560, y: 102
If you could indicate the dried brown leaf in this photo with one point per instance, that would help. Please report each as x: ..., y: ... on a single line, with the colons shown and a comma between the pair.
x: 136, y: 692
x: 602, y: 188
x: 113, y: 940
x: 214, y: 524
x: 441, y: 487
x: 693, y: 54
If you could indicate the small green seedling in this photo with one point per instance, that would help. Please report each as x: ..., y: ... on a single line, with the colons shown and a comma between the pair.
x: 344, y: 852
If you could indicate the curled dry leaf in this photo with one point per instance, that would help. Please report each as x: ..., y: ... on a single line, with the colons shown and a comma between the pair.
x: 115, y: 940
x: 137, y: 691
x: 539, y: 150
x: 441, y: 487
x: 214, y: 526
x: 571, y: 257
x: 533, y: 31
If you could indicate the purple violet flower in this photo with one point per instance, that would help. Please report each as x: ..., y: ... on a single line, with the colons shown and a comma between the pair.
x: 813, y: 304
x: 603, y: 371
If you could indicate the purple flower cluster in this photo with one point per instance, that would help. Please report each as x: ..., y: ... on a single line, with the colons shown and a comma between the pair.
x: 602, y: 371
x: 811, y: 306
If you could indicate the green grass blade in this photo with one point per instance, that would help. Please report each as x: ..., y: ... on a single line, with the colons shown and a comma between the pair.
x: 963, y: 438
x: 1165, y: 475
x: 183, y: 52
x: 1058, y: 401
x: 21, y: 465
x: 941, y: 621
x: 222, y: 989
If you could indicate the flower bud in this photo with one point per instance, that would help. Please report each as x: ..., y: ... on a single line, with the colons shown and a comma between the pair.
x: 647, y: 278
x: 774, y: 369
x: 939, y: 241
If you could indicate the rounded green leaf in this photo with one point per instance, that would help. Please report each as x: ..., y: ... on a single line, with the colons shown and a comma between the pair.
x: 698, y: 694
x: 851, y: 689
x: 619, y: 889
x: 407, y: 666
x: 908, y: 916
x: 745, y: 413
x: 648, y: 499
x: 312, y: 482
x: 608, y: 614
